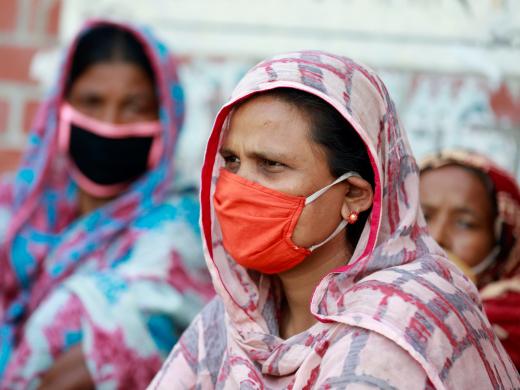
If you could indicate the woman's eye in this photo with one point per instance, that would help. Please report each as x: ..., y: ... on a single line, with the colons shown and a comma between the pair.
x: 231, y: 162
x: 272, y: 165
x: 466, y: 225
x: 140, y: 108
x: 89, y: 102
x: 135, y: 108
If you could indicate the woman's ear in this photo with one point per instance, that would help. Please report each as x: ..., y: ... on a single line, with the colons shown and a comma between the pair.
x: 358, y: 198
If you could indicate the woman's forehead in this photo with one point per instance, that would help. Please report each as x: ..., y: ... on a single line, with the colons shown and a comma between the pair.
x: 267, y: 127
x: 107, y: 76
x: 456, y: 187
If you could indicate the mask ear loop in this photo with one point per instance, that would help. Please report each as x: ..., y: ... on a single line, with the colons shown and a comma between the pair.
x: 155, y: 152
x: 340, y: 227
x: 486, y: 263
x: 64, y: 123
x: 318, y: 193
x: 491, y: 257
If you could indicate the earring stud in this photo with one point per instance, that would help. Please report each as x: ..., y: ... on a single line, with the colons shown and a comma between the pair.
x: 353, y: 217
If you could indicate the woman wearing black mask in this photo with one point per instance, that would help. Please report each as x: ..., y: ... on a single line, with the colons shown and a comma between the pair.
x: 95, y: 283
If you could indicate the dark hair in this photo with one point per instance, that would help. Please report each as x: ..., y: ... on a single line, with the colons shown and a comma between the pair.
x: 107, y: 44
x: 344, y: 147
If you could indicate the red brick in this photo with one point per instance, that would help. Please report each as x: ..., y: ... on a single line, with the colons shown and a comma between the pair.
x: 29, y: 112
x: 8, y: 15
x: 9, y: 159
x: 48, y: 18
x: 15, y: 62
x: 53, y: 18
x: 35, y: 13
x: 4, y: 114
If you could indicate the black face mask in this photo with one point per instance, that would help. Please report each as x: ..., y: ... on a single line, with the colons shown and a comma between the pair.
x: 108, y: 161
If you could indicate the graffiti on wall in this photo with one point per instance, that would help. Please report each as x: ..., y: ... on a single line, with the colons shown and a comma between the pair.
x: 442, y: 111
x: 437, y: 111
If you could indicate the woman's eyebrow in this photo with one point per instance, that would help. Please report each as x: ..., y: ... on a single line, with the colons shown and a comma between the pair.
x: 261, y: 155
x: 226, y: 151
x: 465, y: 210
x: 257, y: 154
x: 139, y: 95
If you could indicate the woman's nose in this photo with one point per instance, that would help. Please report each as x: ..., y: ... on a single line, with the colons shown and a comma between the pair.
x: 110, y: 114
x: 440, y: 232
x: 246, y: 171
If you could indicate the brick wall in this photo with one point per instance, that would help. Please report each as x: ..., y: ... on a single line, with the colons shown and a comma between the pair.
x: 26, y: 26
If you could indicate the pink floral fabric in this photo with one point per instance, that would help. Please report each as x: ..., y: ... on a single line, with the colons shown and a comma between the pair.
x: 122, y: 281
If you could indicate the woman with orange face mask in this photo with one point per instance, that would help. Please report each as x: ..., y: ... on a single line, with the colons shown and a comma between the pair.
x: 101, y: 266
x: 473, y: 211
x: 325, y: 273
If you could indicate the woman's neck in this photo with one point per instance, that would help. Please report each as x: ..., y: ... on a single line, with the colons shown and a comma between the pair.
x: 87, y: 203
x: 299, y: 283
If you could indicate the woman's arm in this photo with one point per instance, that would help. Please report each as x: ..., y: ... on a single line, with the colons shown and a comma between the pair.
x: 69, y: 372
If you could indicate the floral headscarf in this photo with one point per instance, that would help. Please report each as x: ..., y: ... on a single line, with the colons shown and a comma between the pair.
x: 115, y: 279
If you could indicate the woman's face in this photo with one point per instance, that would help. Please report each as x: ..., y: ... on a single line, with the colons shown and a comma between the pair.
x: 459, y: 212
x: 115, y: 92
x: 268, y: 142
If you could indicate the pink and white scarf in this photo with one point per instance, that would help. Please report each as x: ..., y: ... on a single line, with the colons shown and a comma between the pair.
x: 396, y: 315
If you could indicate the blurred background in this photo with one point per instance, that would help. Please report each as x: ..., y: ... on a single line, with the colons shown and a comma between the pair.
x: 452, y: 66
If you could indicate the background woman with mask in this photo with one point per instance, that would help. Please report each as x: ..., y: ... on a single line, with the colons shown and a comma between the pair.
x: 473, y: 211
x: 100, y: 262
x: 325, y: 274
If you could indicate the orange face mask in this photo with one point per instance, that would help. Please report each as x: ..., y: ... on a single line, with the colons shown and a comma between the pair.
x: 257, y: 223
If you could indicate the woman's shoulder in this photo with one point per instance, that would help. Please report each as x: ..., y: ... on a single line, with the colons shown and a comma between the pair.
x: 207, y: 330
x: 395, y: 298
x: 206, y: 337
x: 171, y: 225
x: 419, y: 306
x: 212, y: 319
x: 176, y: 208
x: 199, y: 354
x: 426, y: 278
x: 363, y: 357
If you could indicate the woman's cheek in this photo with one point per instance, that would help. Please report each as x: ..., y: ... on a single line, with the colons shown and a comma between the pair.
x: 472, y: 247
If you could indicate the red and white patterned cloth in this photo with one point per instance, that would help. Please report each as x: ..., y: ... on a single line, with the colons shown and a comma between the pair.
x: 500, y: 283
x: 398, y: 314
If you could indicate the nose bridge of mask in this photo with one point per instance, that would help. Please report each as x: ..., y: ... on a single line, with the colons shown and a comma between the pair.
x: 110, y: 130
x: 317, y: 194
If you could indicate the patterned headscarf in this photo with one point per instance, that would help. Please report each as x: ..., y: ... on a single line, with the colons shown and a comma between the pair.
x: 45, y: 245
x: 396, y: 315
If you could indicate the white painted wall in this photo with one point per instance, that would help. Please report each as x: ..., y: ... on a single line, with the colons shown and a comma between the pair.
x: 442, y: 59
x: 430, y: 35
